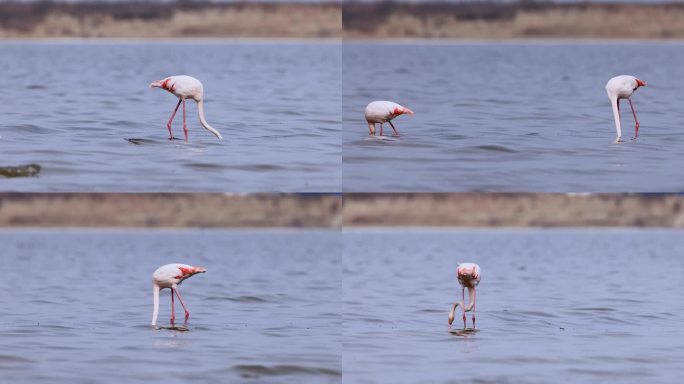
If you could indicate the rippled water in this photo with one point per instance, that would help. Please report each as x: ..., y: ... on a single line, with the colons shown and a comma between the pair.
x: 575, y: 306
x: 70, y: 107
x: 513, y: 117
x: 76, y: 307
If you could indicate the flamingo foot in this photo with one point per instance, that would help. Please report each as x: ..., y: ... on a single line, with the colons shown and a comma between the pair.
x: 473, y: 322
x: 618, y: 140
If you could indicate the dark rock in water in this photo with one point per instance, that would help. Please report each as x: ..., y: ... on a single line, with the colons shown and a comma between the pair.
x: 20, y: 171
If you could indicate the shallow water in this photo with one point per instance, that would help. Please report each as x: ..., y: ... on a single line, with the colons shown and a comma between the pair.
x: 521, y: 116
x: 577, y: 306
x: 76, y: 307
x: 72, y: 108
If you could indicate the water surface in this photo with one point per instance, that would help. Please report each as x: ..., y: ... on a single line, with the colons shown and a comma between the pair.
x: 72, y: 108
x: 76, y: 307
x: 577, y: 306
x: 523, y: 116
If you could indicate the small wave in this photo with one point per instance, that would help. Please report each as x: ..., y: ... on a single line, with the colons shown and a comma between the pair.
x: 281, y: 370
x: 179, y: 328
x: 137, y: 141
x: 463, y: 332
x: 241, y: 299
x: 204, y: 165
x: 14, y: 359
x: 258, y: 167
x: 595, y: 309
x: 495, y: 148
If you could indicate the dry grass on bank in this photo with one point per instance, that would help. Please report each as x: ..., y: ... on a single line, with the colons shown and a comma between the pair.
x: 169, y: 20
x: 526, y: 19
x: 513, y: 210
x: 332, y: 211
x: 204, y: 210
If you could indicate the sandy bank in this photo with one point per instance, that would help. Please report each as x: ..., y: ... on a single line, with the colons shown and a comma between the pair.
x: 331, y: 211
x: 513, y: 210
x: 526, y: 19
x: 169, y: 20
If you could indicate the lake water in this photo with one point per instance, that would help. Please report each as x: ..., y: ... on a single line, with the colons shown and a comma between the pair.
x: 577, y: 306
x: 76, y: 307
x: 70, y: 107
x: 520, y: 116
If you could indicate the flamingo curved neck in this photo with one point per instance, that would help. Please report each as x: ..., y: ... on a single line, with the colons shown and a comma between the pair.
x: 459, y: 303
x: 203, y: 121
x: 616, y: 115
x: 155, y: 310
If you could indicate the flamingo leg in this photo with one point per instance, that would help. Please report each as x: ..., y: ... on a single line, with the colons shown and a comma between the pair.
x: 173, y: 311
x: 463, y: 306
x: 371, y: 128
x: 185, y: 130
x: 168, y: 125
x: 394, y: 129
x: 381, y: 129
x: 636, y: 127
x: 187, y: 314
x: 474, y: 301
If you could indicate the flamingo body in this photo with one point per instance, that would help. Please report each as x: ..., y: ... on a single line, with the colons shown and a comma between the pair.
x: 380, y: 112
x: 185, y: 87
x: 468, y: 276
x: 623, y: 87
x: 171, y: 276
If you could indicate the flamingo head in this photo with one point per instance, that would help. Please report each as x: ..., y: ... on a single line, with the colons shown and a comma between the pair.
x: 189, y: 271
x: 157, y: 84
x: 468, y: 272
x: 164, y: 84
x: 401, y: 111
x: 640, y: 83
x: 451, y: 318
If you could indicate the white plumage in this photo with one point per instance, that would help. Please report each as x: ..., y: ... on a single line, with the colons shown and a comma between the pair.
x: 185, y: 87
x: 380, y: 112
x: 170, y: 276
x: 623, y: 87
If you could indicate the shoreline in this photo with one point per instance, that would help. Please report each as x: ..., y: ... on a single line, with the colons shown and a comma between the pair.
x: 513, y: 20
x: 422, y: 211
x: 172, y: 40
x: 172, y: 19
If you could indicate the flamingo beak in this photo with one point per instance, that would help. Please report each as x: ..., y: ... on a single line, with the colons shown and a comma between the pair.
x: 408, y: 111
x: 640, y: 83
x: 200, y: 270
x: 156, y: 84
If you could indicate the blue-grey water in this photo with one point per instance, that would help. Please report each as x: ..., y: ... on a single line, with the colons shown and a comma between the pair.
x: 77, y: 305
x: 518, y: 116
x: 571, y: 306
x: 70, y: 107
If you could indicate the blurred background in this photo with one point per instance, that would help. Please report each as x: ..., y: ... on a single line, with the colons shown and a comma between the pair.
x: 514, y: 19
x: 170, y: 19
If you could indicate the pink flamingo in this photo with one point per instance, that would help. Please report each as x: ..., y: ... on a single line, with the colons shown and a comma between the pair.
x: 185, y: 87
x: 170, y: 276
x: 468, y: 275
x: 380, y: 112
x: 623, y: 87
